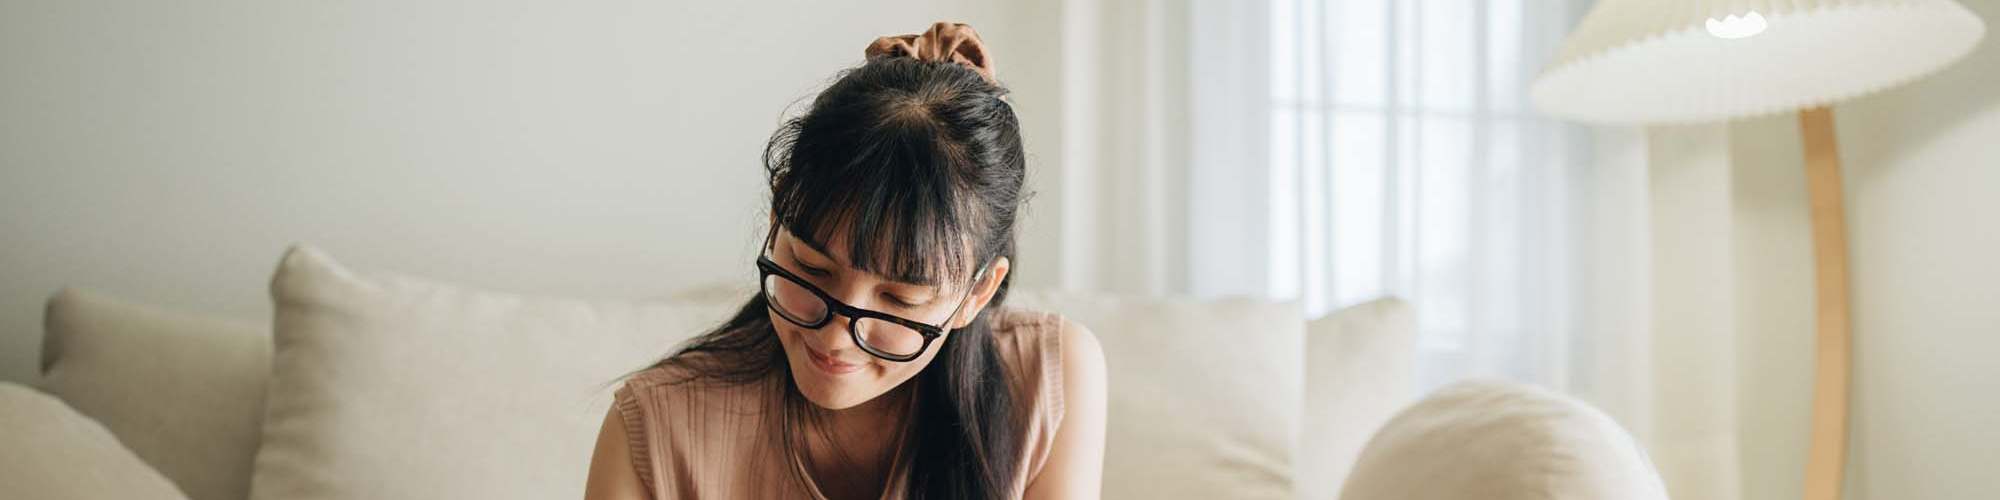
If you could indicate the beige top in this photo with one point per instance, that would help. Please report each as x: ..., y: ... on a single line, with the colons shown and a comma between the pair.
x: 695, y: 440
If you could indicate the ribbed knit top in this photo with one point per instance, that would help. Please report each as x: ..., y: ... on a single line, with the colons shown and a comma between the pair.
x: 697, y: 439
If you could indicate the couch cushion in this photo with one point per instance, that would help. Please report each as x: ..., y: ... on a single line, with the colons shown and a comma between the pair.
x: 394, y: 387
x: 54, y: 453
x: 1204, y: 395
x: 184, y: 391
x: 1360, y: 369
x: 1501, y: 441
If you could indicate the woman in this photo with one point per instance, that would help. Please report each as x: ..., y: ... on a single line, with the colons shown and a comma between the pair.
x: 877, y: 361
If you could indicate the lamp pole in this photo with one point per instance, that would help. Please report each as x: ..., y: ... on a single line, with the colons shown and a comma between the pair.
x: 1827, y: 454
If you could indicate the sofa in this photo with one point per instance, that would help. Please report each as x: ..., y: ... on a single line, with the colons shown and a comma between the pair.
x: 382, y: 385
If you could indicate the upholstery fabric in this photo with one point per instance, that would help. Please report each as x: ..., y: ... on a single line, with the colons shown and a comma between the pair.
x: 388, y: 387
x: 1360, y: 369
x: 1204, y: 394
x: 183, y: 391
x: 1502, y: 441
x: 54, y: 453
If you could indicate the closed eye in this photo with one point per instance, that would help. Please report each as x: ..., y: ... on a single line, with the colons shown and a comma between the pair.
x: 901, y: 302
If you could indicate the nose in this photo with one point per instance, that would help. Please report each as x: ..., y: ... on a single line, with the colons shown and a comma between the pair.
x: 833, y: 337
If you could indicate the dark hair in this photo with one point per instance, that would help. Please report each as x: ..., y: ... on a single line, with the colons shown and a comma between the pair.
x: 919, y: 165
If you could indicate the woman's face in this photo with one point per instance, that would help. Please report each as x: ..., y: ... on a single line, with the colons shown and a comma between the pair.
x: 828, y: 368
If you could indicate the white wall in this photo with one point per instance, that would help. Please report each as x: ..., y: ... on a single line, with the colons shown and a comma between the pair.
x: 168, y: 152
x: 1774, y: 309
x: 1922, y: 166
x: 1691, y: 436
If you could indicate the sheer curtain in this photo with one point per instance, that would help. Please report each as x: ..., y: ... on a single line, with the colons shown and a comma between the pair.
x: 1350, y: 149
x: 1334, y: 151
x: 1401, y: 159
x: 1404, y: 160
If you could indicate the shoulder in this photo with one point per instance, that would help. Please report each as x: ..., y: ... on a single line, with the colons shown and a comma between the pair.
x: 647, y: 386
x: 1050, y: 357
x: 1059, y: 372
x: 665, y: 405
x: 1038, y: 339
x: 1082, y: 361
x: 663, y: 389
x: 615, y: 472
x: 624, y: 441
x: 1080, y: 366
x: 1030, y: 344
x: 686, y: 434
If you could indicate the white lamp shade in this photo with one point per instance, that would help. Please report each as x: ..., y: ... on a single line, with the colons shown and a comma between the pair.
x: 1679, y: 61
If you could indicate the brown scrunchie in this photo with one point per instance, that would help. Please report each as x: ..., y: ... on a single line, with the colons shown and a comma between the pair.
x: 950, y: 42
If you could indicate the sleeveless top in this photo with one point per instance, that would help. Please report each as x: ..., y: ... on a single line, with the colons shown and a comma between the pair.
x: 707, y: 440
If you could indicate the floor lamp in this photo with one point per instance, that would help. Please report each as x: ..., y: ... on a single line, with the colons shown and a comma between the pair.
x: 1686, y: 61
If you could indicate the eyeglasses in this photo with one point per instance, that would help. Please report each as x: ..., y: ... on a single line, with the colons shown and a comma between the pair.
x: 880, y: 334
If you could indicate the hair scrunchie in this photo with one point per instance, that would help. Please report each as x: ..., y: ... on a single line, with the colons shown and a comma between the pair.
x: 946, y: 42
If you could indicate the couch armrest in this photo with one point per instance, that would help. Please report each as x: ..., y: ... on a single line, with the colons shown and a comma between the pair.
x: 53, y: 452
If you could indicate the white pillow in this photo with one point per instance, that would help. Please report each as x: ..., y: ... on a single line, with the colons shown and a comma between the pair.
x: 53, y: 453
x: 388, y: 387
x: 1204, y: 396
x: 1360, y: 369
x: 185, y: 392
x: 1499, y: 441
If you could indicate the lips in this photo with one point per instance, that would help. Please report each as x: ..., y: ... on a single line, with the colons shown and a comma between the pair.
x: 829, y: 365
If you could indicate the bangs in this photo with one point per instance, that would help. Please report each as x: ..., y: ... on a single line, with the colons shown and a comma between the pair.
x: 888, y: 193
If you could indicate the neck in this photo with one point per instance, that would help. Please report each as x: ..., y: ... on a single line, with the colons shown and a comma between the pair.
x: 874, y: 422
x: 850, y: 449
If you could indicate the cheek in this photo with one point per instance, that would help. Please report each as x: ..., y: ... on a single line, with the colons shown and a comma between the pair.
x: 888, y: 374
x: 903, y: 371
x: 876, y: 379
x: 885, y: 376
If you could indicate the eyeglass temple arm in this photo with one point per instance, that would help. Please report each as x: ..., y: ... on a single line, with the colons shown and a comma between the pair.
x: 964, y: 299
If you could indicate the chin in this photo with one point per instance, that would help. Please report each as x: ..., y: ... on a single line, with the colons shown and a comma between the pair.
x: 824, y: 397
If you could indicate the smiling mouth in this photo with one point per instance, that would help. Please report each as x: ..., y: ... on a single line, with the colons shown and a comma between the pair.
x: 828, y: 365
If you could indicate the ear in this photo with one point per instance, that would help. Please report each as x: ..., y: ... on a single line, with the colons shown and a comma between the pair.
x: 982, y: 293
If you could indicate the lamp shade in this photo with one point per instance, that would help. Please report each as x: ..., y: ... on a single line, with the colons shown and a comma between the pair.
x: 1679, y: 61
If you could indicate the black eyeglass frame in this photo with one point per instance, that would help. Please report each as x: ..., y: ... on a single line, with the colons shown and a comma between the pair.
x: 766, y: 267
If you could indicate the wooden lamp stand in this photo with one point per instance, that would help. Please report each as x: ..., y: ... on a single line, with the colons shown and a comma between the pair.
x: 1826, y: 459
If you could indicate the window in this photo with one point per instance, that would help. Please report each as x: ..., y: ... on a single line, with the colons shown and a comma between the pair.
x: 1405, y: 161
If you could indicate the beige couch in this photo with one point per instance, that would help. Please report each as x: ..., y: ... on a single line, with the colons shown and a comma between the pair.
x: 383, y: 386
